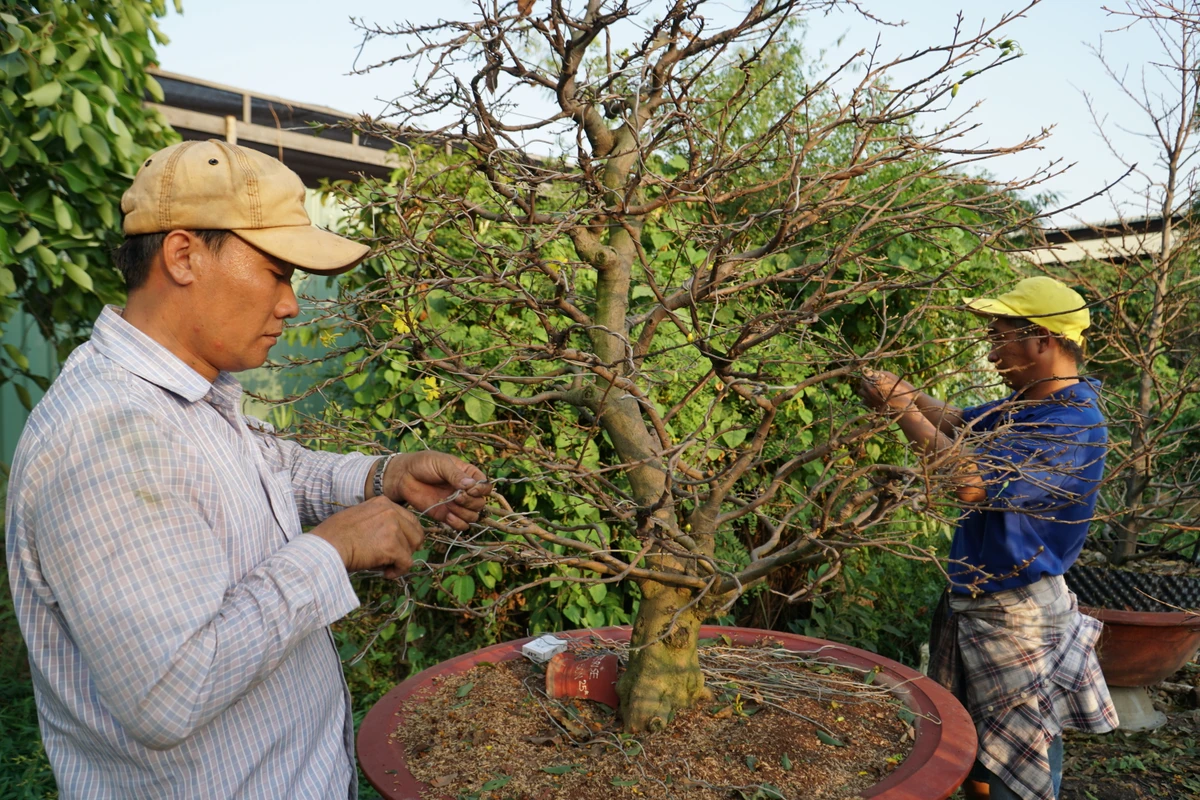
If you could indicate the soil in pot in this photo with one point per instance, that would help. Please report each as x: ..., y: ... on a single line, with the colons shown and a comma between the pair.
x: 779, y: 725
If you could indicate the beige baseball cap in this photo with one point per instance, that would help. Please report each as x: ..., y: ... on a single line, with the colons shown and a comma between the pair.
x: 1042, y: 300
x: 215, y: 185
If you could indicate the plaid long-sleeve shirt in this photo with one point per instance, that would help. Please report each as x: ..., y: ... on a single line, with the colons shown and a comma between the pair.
x: 176, y: 615
x: 1023, y: 661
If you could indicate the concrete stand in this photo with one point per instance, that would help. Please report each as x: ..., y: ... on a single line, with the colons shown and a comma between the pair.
x: 1135, y: 709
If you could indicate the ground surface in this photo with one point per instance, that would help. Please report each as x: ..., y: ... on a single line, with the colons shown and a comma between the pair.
x: 1159, y: 764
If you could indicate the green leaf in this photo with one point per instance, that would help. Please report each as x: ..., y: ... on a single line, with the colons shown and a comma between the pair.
x: 464, y: 690
x: 598, y: 591
x: 62, y: 214
x: 97, y: 144
x: 30, y: 239
x: 105, y: 210
x: 785, y: 762
x: 8, y: 284
x: 81, y: 107
x: 751, y: 762
x: 489, y: 573
x: 16, y: 355
x: 499, y: 782
x: 71, y: 133
x: 42, y: 132
x: 78, y: 58
x: 115, y: 125
x: 48, y: 55
x: 622, y: 782
x: 109, y: 53
x: 23, y: 396
x: 46, y: 256
x: 464, y: 588
x: 734, y: 438
x: 561, y: 769
x: 829, y: 740
x: 479, y: 409
x: 155, y: 89
x: 45, y: 95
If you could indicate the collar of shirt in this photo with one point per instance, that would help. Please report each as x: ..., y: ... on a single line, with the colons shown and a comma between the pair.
x: 135, y: 351
x: 1073, y: 399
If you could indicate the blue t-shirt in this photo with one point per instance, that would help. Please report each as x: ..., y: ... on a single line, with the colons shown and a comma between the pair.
x: 1041, y: 463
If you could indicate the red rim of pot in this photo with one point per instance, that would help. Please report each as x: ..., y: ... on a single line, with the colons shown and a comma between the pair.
x: 939, y: 762
x: 1150, y: 619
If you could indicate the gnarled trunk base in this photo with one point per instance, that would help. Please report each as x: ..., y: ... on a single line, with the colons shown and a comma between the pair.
x: 664, y: 677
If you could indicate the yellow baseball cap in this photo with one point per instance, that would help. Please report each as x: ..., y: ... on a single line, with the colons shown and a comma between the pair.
x: 1051, y: 304
x: 215, y: 185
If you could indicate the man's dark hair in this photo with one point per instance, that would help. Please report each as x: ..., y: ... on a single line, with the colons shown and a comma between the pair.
x: 136, y: 253
x: 1072, y: 348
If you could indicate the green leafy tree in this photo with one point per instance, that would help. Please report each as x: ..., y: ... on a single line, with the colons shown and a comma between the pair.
x: 649, y: 337
x: 73, y: 131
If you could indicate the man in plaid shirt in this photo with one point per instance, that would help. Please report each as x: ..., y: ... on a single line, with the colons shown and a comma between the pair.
x: 1008, y: 639
x: 175, y: 611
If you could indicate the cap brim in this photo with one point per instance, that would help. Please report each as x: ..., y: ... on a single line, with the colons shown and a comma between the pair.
x: 987, y: 307
x: 308, y: 248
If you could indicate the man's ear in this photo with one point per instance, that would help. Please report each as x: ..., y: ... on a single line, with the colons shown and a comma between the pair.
x: 181, y: 253
x: 1044, y: 337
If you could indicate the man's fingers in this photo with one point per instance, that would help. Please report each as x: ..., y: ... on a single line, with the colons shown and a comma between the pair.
x: 410, y: 529
x: 400, y: 566
x: 480, y: 490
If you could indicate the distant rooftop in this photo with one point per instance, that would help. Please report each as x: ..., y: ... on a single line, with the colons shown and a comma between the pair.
x: 301, y: 135
x: 1112, y: 240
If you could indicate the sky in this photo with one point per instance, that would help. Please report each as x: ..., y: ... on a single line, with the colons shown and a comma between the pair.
x: 306, y: 51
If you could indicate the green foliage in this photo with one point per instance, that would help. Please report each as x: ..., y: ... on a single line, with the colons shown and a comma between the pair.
x: 73, y: 131
x: 24, y: 769
x: 884, y: 604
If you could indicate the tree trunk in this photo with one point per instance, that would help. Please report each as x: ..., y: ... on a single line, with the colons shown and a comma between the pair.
x: 664, y: 677
x: 1142, y: 454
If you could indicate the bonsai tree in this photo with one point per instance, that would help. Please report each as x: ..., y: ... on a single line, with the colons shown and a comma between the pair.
x: 1147, y: 290
x: 633, y: 266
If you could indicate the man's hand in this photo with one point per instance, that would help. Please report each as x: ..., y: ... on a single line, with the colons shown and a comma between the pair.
x: 881, y: 389
x: 377, y: 534
x: 445, y: 488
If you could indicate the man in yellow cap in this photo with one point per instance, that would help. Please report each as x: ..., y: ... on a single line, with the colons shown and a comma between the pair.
x: 1008, y: 638
x: 175, y: 610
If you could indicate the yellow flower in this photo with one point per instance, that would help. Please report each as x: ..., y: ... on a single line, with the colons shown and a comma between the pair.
x: 432, y: 392
x: 400, y: 321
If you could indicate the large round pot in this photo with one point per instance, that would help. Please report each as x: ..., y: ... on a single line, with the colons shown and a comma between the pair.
x: 941, y: 757
x: 1141, y: 648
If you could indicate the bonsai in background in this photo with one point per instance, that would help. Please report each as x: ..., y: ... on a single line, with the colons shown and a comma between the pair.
x: 637, y: 256
x: 1146, y: 340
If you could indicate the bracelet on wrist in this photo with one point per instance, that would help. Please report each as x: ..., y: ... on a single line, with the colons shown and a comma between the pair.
x: 381, y: 466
